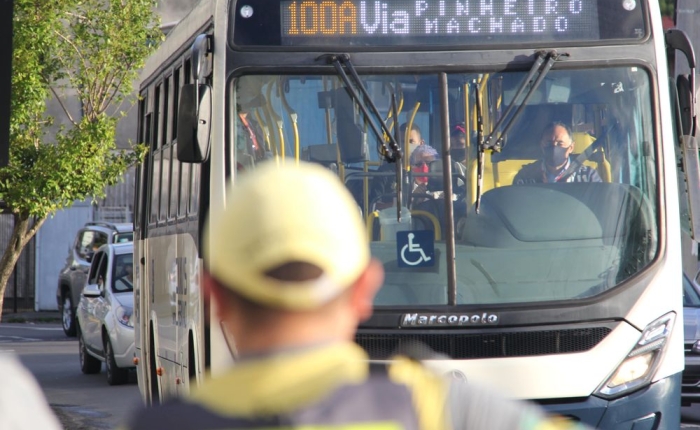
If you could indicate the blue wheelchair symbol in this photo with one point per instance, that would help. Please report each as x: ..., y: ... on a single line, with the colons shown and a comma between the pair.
x: 415, y: 248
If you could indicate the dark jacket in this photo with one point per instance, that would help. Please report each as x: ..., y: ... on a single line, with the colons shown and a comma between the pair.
x: 333, y: 386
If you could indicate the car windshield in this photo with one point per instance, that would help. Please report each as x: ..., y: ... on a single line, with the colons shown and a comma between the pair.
x: 691, y: 297
x: 127, y: 236
x: 123, y: 280
x: 545, y: 230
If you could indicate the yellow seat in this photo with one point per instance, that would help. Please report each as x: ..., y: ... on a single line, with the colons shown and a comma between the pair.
x: 597, y: 160
x: 496, y: 174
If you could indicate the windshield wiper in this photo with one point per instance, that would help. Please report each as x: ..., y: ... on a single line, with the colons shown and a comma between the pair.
x: 390, y: 152
x: 495, y: 140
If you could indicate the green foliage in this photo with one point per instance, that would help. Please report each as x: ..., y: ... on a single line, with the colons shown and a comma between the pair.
x: 667, y: 7
x: 91, y: 50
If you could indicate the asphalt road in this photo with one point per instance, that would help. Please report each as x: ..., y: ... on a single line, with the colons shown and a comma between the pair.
x: 81, y: 401
x: 86, y: 402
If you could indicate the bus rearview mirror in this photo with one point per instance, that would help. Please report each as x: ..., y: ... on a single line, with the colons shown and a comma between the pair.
x: 691, y: 168
x: 200, y: 50
x: 194, y: 123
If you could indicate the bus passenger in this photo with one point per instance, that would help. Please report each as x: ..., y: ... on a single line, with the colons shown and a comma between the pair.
x: 458, y: 139
x: 420, y: 163
x: 289, y: 265
x: 557, y: 145
x: 250, y: 141
x: 384, y: 186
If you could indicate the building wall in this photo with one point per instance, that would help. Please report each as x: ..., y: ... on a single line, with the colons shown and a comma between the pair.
x: 52, y: 245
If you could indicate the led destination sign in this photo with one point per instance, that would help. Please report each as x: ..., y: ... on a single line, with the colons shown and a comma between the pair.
x: 430, y: 23
x: 568, y: 19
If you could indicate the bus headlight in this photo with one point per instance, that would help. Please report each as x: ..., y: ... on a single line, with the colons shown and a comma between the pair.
x: 637, y: 369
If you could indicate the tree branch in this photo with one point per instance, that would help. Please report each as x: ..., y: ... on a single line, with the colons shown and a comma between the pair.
x: 32, y: 231
x: 75, y: 48
x: 115, y: 91
x: 102, y: 89
x: 63, y: 106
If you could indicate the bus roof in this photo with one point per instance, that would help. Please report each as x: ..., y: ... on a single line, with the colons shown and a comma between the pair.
x: 186, y: 29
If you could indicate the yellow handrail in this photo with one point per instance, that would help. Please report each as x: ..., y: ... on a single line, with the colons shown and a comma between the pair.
x: 365, y: 185
x: 407, y: 135
x: 271, y: 118
x: 370, y: 224
x: 293, y: 116
x: 433, y: 219
x: 467, y: 126
x: 265, y: 129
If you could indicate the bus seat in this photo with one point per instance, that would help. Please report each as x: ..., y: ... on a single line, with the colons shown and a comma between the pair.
x: 504, y: 171
x: 497, y: 173
x: 420, y: 219
x: 324, y: 153
x: 597, y: 160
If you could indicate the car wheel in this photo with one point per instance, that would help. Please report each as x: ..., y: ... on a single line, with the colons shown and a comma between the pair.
x: 115, y: 374
x: 68, y: 315
x: 88, y: 364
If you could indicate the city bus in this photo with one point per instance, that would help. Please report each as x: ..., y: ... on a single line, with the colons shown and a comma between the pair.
x: 566, y: 293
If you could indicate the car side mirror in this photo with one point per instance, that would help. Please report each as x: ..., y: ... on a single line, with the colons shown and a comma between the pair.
x: 92, y: 290
x: 88, y: 256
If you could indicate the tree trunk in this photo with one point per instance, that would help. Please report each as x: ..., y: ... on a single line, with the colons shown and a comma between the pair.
x: 22, y: 233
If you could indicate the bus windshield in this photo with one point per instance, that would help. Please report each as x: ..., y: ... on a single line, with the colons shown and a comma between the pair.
x: 543, y: 231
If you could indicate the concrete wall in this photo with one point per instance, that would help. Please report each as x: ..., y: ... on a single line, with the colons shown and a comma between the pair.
x: 53, y: 240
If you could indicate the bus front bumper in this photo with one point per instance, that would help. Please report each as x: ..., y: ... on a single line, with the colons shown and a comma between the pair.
x: 655, y: 407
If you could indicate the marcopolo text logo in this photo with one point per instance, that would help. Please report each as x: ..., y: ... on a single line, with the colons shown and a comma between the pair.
x: 410, y: 320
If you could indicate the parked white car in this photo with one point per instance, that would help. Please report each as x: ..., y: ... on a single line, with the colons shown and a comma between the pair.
x: 105, y: 325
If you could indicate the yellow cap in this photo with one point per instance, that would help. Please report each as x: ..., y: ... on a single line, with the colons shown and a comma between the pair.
x: 277, y: 215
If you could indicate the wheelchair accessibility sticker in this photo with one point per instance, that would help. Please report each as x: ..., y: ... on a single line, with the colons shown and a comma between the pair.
x: 415, y: 248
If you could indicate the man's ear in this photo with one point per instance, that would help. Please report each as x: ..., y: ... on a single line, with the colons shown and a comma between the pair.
x: 212, y: 290
x: 366, y: 287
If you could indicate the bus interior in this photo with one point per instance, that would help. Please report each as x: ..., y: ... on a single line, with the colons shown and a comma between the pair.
x: 515, y: 243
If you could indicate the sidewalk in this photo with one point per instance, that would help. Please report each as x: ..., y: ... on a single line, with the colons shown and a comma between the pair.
x: 30, y: 316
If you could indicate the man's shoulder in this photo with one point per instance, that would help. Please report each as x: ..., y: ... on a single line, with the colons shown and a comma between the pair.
x: 182, y: 414
x: 587, y: 174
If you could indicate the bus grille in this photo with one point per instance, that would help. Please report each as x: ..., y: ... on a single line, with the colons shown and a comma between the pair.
x: 485, y: 345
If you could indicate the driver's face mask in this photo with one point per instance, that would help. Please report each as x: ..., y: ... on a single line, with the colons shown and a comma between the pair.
x: 555, y: 156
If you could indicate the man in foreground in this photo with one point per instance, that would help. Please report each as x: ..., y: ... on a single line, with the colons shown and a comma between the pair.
x: 289, y: 266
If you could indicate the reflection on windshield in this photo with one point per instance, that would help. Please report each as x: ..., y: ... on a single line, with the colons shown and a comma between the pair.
x: 568, y: 206
x: 691, y: 297
x: 123, y: 276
